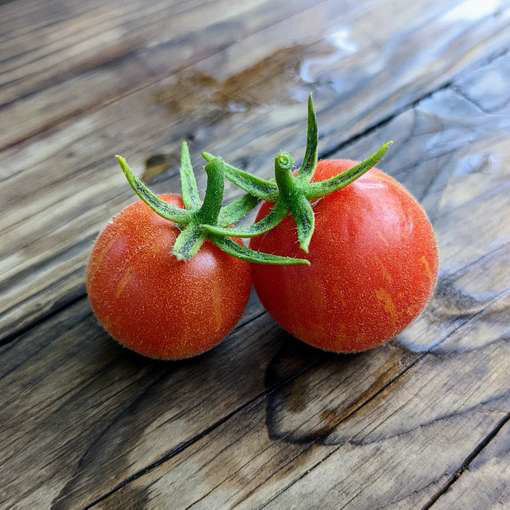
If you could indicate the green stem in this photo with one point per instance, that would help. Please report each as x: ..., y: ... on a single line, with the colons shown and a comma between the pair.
x: 189, y: 189
x: 236, y: 210
x: 193, y: 223
x: 160, y: 207
x: 210, y: 210
x: 304, y: 216
x: 291, y: 191
x: 274, y: 218
x: 320, y: 189
x: 312, y: 140
x: 256, y: 257
x: 256, y: 186
x: 283, y: 165
x: 188, y: 242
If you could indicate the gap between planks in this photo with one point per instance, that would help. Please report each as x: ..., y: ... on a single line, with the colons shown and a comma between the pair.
x: 469, y: 459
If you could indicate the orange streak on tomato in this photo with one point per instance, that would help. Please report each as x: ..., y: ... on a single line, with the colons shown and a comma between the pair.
x: 386, y: 274
x: 128, y: 275
x: 389, y: 306
x: 426, y: 266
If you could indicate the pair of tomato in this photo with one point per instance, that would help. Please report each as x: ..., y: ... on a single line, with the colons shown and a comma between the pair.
x: 374, y: 265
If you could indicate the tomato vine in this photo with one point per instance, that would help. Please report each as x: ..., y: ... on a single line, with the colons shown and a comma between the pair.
x: 292, y: 193
x: 196, y: 216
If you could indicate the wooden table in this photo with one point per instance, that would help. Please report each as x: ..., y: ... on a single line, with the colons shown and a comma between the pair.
x: 261, y: 421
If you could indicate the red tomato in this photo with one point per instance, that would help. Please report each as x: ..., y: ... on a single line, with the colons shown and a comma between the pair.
x: 154, y: 304
x: 374, y: 265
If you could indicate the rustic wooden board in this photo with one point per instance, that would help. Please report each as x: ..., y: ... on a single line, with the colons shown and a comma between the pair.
x: 264, y: 420
x: 80, y: 414
x: 47, y: 235
x: 91, y: 54
x: 396, y: 426
x: 482, y: 483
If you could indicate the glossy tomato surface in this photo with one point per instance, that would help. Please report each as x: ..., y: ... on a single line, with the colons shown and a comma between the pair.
x: 155, y: 304
x: 374, y: 265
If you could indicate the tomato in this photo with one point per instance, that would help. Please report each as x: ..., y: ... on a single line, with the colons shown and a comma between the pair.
x: 374, y: 265
x: 154, y: 304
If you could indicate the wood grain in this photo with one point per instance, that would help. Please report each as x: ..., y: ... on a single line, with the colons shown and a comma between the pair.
x: 482, y: 483
x: 80, y: 414
x: 388, y: 428
x: 47, y: 235
x: 261, y: 421
x: 90, y: 56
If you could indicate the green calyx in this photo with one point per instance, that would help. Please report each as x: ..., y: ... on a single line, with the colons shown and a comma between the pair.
x: 198, y: 217
x: 292, y: 193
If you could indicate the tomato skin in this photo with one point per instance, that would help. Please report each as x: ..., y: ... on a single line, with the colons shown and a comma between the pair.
x: 374, y: 265
x: 154, y: 304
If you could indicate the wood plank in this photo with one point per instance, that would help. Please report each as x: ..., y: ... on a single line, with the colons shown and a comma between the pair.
x: 107, y: 51
x: 79, y: 414
x: 387, y: 428
x: 47, y: 235
x: 483, y: 483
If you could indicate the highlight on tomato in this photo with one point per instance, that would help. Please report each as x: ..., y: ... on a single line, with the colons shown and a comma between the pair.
x: 372, y: 249
x: 162, y: 285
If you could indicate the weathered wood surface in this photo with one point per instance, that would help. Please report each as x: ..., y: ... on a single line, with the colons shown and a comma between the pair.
x: 360, y: 77
x: 92, y: 53
x: 483, y: 483
x: 262, y: 420
x: 390, y: 428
